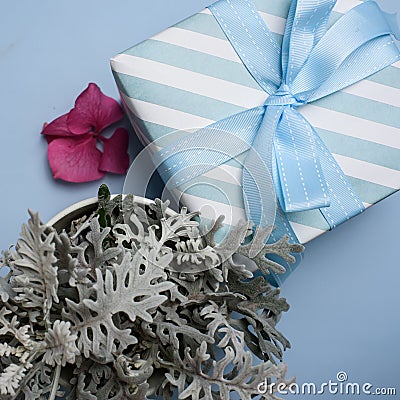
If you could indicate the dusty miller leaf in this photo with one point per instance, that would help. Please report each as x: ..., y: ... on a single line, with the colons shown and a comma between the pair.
x: 60, y: 343
x: 6, y: 290
x: 258, y: 251
x: 193, y: 251
x: 11, y: 377
x: 168, y: 334
x: 13, y: 328
x: 38, y: 383
x: 72, y: 265
x: 33, y: 263
x: 116, y: 293
x: 187, y: 374
x: 102, y: 253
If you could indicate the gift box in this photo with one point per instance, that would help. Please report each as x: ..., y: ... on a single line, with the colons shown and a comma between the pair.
x: 193, y: 74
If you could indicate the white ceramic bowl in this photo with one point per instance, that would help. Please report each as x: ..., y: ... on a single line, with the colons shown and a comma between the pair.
x: 77, y: 210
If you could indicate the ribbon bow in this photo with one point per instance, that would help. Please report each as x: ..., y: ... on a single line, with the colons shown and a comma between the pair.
x: 312, y: 63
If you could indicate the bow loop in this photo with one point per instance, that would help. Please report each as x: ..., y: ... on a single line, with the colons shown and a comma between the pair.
x: 351, y: 35
x: 306, y: 24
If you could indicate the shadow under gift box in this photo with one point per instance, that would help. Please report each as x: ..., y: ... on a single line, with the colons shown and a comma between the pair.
x: 190, y: 76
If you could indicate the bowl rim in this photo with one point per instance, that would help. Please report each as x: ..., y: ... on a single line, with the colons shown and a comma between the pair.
x: 91, y: 202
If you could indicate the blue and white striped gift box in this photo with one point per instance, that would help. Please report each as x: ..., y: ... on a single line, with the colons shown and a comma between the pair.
x: 189, y: 76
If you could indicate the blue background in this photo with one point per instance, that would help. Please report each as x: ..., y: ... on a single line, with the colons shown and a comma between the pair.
x: 345, y: 297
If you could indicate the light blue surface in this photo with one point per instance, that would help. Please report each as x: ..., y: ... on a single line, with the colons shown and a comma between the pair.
x: 344, y: 296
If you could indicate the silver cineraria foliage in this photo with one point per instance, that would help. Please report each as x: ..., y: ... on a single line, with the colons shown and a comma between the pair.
x: 135, y: 302
x: 34, y: 270
x: 60, y: 345
x: 189, y: 376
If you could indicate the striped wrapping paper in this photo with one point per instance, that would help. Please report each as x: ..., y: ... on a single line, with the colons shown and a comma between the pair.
x: 189, y: 76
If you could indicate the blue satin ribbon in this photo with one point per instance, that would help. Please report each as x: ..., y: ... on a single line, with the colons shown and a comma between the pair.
x: 311, y: 63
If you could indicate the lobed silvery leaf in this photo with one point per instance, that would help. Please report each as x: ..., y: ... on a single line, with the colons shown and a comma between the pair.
x: 37, y: 384
x: 193, y: 251
x: 101, y: 253
x: 61, y: 344
x: 11, y: 377
x: 12, y: 327
x: 168, y: 334
x: 33, y: 265
x: 71, y: 262
x: 116, y: 292
x: 188, y: 376
x: 6, y: 291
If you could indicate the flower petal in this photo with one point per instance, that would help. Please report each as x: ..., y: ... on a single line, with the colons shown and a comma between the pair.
x: 93, y: 111
x: 58, y: 127
x: 115, y: 158
x: 75, y: 159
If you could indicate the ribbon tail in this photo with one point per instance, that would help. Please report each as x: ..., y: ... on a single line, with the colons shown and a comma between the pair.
x: 344, y: 202
x: 305, y: 26
x: 300, y: 179
x: 257, y: 181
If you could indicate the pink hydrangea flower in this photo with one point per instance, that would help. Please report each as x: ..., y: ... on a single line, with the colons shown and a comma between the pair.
x: 72, y: 139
